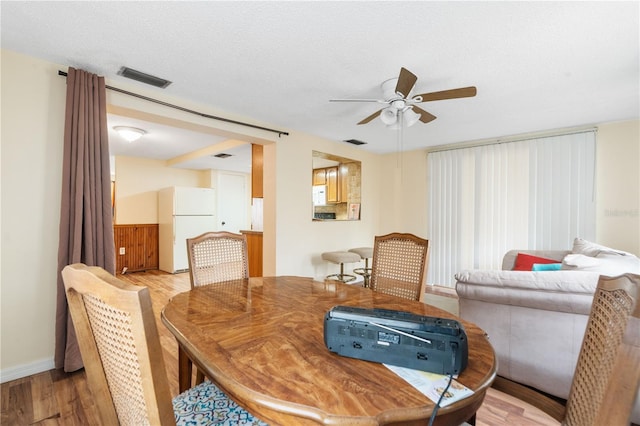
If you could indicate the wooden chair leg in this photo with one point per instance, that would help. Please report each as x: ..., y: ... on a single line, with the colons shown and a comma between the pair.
x: 199, y: 377
x: 184, y: 370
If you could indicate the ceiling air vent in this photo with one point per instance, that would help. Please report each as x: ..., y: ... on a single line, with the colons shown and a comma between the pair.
x: 143, y: 77
x: 222, y: 155
x: 355, y: 142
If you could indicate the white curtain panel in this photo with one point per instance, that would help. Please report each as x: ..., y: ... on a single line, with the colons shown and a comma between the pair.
x: 528, y: 194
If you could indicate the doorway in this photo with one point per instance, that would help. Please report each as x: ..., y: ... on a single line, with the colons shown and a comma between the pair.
x: 233, y: 202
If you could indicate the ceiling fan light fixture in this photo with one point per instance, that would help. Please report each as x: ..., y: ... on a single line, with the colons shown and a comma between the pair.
x: 410, y: 117
x: 130, y: 134
x: 399, y: 104
x: 397, y: 95
x: 389, y: 116
x: 407, y: 118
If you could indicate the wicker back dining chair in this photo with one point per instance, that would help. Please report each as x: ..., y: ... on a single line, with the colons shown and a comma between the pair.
x: 607, y: 374
x: 399, y: 265
x: 217, y: 256
x: 122, y: 355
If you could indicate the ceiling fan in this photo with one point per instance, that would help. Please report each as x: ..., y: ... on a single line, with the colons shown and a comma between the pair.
x: 402, y: 107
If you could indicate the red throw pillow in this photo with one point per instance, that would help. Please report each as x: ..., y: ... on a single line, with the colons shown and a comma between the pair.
x: 524, y: 262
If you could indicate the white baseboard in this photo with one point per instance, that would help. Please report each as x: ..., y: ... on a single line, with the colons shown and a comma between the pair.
x: 25, y: 370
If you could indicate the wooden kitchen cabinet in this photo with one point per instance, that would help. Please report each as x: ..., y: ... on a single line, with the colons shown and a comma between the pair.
x: 319, y: 176
x: 254, y: 251
x: 330, y: 176
x: 343, y: 183
x: 256, y: 171
x: 332, y: 185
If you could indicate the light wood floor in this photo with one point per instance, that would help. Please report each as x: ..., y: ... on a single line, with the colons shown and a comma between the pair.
x: 56, y: 398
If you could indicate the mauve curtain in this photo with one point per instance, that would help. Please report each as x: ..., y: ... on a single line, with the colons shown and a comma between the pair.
x: 86, y: 220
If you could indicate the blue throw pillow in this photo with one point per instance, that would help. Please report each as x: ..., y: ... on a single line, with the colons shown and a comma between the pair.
x: 546, y: 266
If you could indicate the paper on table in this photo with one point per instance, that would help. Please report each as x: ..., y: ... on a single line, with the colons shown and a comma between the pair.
x: 432, y: 384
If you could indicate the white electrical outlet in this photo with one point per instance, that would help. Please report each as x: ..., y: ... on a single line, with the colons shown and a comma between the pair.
x: 122, y: 250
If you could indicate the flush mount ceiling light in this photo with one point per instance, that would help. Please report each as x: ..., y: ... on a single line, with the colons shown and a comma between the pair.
x: 129, y: 133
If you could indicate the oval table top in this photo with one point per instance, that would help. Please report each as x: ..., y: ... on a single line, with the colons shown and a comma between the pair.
x: 261, y: 340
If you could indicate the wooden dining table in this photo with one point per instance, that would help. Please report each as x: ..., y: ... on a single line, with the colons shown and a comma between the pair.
x: 261, y: 341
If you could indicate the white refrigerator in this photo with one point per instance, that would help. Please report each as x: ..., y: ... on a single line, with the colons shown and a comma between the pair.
x: 183, y: 212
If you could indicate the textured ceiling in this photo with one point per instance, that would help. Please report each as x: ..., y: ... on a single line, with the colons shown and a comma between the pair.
x: 537, y: 65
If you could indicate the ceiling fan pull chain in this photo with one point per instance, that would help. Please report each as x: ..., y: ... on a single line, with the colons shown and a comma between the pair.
x: 399, y: 141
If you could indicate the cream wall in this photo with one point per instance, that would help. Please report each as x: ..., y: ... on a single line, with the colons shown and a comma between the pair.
x: 33, y: 104
x: 33, y: 98
x: 618, y: 185
x: 138, y: 181
x: 269, y: 210
x: 404, y: 188
x: 301, y: 241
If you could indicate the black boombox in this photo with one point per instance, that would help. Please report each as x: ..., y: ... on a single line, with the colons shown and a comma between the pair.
x: 399, y: 338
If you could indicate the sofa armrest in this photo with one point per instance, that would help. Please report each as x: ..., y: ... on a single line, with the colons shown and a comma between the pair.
x: 535, y: 321
x: 561, y: 291
x: 509, y: 259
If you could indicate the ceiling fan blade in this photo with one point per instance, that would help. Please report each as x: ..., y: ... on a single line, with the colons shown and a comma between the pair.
x: 371, y: 117
x: 463, y: 92
x: 406, y: 81
x: 425, y: 117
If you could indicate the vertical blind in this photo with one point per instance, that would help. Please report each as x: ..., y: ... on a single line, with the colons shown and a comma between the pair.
x: 529, y: 194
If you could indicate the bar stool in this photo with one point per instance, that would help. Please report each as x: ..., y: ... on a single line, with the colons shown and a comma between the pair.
x: 341, y: 257
x: 365, y: 253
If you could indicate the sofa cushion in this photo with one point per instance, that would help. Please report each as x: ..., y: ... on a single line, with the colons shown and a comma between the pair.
x: 588, y: 248
x: 546, y: 266
x: 525, y: 262
x: 604, y: 264
x: 563, y: 291
x: 509, y: 259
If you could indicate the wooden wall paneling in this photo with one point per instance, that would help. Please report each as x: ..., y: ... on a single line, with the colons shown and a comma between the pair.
x: 151, y: 247
x: 140, y: 243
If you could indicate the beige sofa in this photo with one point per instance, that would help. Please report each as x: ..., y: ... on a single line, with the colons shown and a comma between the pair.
x: 534, y: 320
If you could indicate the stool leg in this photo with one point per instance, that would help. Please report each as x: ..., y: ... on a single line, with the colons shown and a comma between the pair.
x: 366, y: 273
x: 345, y: 278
